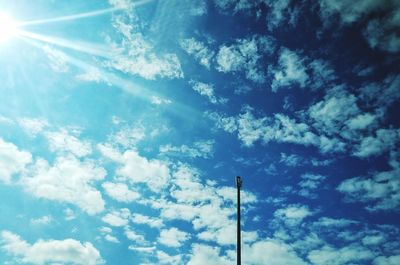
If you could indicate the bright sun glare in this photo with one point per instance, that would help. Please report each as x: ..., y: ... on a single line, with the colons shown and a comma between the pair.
x: 8, y: 27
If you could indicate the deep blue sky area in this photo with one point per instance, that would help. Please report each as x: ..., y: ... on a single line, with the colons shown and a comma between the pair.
x: 123, y: 124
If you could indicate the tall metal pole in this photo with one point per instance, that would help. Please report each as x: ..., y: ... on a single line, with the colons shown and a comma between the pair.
x: 239, y: 257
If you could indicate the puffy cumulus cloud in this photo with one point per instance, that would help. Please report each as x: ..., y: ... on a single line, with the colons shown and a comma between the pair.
x: 291, y: 71
x: 117, y: 217
x: 202, y: 148
x: 337, y: 107
x: 293, y: 214
x: 133, y: 236
x: 279, y: 128
x: 328, y: 255
x: 380, y: 30
x: 279, y: 11
x: 33, y: 126
x: 271, y: 252
x: 160, y: 101
x: 322, y: 73
x: 68, y: 251
x: 13, y: 161
x: 137, y: 169
x: 381, y: 94
x: 153, y: 222
x: 291, y: 160
x: 308, y: 185
x: 385, y: 139
x: 44, y: 220
x: 381, y: 190
x: 207, y: 90
x: 64, y: 142
x: 128, y: 136
x: 349, y: 11
x: 195, y: 202
x: 204, y: 254
x: 136, y: 55
x: 198, y: 8
x: 67, y: 180
x: 262, y: 252
x: 245, y: 56
x: 120, y: 192
x: 391, y: 260
x: 173, y: 237
x: 164, y: 258
x: 201, y: 53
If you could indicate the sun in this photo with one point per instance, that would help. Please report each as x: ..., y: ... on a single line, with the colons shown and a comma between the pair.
x: 8, y: 27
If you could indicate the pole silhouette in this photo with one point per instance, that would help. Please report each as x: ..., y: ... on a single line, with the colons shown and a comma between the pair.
x: 239, y: 254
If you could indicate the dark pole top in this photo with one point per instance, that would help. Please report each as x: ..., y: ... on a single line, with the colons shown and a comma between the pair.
x: 238, y: 182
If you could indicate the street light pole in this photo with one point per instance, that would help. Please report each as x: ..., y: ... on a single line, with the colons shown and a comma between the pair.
x: 238, y: 186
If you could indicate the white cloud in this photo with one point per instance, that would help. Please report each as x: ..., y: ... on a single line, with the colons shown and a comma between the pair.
x: 147, y: 220
x: 207, y: 90
x: 337, y: 107
x: 380, y: 191
x: 13, y: 161
x: 62, y: 141
x: 160, y: 101
x: 385, y: 139
x: 391, y: 260
x: 277, y: 13
x: 271, y: 252
x: 244, y: 56
x: 198, y: 50
x: 128, y: 136
x: 67, y: 180
x: 379, y: 32
x: 44, y: 220
x: 309, y: 183
x: 111, y: 238
x: 58, y: 59
x: 291, y: 160
x: 204, y: 254
x: 279, y: 128
x: 330, y: 222
x: 291, y: 71
x: 375, y: 239
x: 164, y: 258
x: 120, y: 192
x: 33, y: 126
x: 173, y: 237
x: 133, y: 236
x: 381, y: 94
x: 137, y: 169
x: 69, y: 214
x: 117, y: 217
x: 50, y: 251
x: 347, y: 255
x: 136, y: 55
x: 198, y: 203
x: 203, y: 148
x: 92, y: 74
x: 322, y: 73
x: 361, y: 121
x: 293, y: 214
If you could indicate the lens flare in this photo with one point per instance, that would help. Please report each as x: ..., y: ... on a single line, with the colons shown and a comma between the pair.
x: 8, y: 27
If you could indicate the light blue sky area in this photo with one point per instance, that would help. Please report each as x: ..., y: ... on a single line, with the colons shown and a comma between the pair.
x: 123, y: 125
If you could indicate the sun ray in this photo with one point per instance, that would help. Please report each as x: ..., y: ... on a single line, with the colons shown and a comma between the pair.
x: 70, y: 17
x: 80, y: 16
x: 81, y: 46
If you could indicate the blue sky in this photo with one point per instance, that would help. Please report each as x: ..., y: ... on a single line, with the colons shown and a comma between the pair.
x: 124, y: 123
